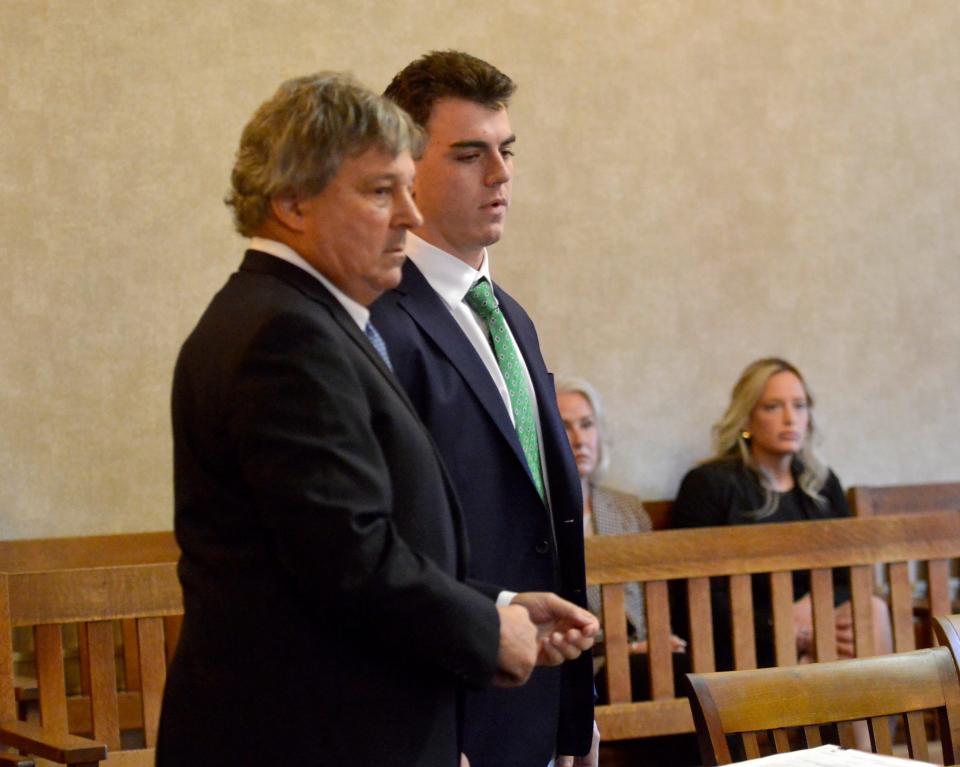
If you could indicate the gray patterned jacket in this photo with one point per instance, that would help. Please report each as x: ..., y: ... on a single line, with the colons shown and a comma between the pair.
x: 616, y: 513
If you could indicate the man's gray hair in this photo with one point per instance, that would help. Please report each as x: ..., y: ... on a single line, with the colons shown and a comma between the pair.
x: 295, y: 142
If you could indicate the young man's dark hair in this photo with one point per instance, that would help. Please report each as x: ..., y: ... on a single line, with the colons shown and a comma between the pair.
x: 448, y: 74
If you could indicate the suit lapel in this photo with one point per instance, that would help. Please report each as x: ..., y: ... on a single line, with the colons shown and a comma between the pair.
x: 264, y: 263
x: 433, y: 318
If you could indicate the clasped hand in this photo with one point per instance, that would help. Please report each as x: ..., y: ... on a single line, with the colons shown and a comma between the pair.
x: 540, y: 629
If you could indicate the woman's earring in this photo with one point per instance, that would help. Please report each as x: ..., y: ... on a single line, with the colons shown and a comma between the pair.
x: 744, y: 435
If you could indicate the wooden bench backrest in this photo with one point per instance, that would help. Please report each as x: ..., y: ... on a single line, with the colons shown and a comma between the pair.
x: 39, y: 554
x: 741, y: 705
x: 661, y: 514
x: 92, y: 599
x: 36, y: 554
x: 693, y: 556
x: 902, y: 499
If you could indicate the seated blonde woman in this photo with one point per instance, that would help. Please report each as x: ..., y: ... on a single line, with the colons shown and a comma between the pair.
x: 764, y: 471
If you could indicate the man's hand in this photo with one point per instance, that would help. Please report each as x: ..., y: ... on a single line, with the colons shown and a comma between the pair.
x: 563, y: 629
x: 518, y: 647
x: 591, y: 759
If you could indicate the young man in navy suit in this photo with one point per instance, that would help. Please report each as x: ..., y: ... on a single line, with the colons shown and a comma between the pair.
x: 328, y: 618
x: 469, y: 358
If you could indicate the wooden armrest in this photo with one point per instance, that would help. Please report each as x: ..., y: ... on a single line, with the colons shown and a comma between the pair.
x: 12, y: 760
x: 64, y: 749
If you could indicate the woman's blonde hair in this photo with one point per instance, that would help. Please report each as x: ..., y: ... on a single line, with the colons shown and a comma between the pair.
x: 573, y: 385
x: 731, y: 441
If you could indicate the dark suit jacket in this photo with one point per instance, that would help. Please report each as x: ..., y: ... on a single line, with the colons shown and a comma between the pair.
x: 326, y: 621
x: 514, y: 540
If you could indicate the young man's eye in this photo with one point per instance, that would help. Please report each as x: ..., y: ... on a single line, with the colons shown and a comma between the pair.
x: 468, y: 157
x: 507, y: 152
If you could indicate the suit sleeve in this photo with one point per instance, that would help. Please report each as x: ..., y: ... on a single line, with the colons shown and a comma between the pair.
x: 301, y: 422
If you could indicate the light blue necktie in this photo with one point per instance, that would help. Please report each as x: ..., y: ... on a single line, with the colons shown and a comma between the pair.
x: 376, y: 340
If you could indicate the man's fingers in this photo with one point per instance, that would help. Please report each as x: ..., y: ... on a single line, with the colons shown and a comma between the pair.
x: 549, y: 655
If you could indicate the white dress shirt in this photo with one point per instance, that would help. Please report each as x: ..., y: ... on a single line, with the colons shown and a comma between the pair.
x: 450, y: 279
x: 358, y: 312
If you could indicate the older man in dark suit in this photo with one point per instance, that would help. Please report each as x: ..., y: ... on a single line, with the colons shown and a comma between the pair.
x: 328, y: 620
x: 469, y: 358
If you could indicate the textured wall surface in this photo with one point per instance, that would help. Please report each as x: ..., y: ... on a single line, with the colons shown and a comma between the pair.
x: 699, y: 182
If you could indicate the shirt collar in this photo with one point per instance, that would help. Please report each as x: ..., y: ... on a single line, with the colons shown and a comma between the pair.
x: 358, y: 312
x: 446, y: 274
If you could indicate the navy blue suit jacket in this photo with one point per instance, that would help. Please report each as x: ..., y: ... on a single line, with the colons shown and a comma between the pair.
x: 514, y: 540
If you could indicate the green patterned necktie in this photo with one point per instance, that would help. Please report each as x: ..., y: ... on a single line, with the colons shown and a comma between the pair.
x: 480, y: 298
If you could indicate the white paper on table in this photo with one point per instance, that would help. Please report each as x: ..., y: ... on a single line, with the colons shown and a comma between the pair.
x: 832, y: 756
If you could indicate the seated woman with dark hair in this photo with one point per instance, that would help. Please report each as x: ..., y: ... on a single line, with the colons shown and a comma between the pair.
x: 764, y: 470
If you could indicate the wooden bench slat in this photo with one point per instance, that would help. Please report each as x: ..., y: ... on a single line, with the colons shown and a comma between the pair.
x: 153, y: 673
x: 700, y: 620
x: 104, y: 706
x: 171, y: 634
x: 751, y: 748
x: 901, y: 607
x: 8, y: 702
x: 131, y: 663
x: 658, y: 640
x: 861, y: 599
x: 784, y: 635
x: 824, y: 624
x: 617, y: 665
x: 879, y: 728
x: 781, y: 741
x: 741, y: 609
x: 811, y: 736
x: 51, y: 682
x: 916, y: 735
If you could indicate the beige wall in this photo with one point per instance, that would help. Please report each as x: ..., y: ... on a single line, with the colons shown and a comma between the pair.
x: 700, y: 182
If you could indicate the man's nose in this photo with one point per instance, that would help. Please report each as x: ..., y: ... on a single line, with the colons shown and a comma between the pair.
x: 408, y: 214
x: 499, y: 170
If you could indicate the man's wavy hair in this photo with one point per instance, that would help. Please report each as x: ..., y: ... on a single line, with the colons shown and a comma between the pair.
x: 296, y: 141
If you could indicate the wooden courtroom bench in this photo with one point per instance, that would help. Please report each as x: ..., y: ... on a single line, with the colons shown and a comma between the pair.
x: 773, y: 551
x: 900, y: 499
x: 903, y: 499
x: 46, y: 603
x: 44, y: 554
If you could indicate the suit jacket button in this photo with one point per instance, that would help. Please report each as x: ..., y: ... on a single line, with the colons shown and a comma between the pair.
x: 543, y: 547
